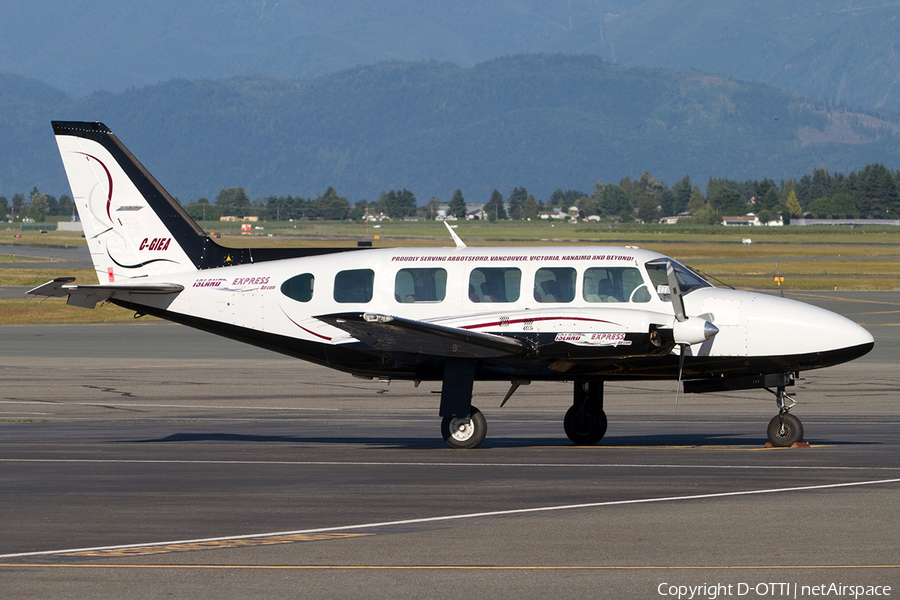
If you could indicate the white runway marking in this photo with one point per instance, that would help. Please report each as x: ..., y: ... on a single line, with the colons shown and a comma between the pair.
x: 185, y: 406
x: 339, y: 463
x: 496, y: 513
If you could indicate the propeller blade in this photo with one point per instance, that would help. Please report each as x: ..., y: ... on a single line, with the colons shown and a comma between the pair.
x: 683, y: 349
x: 675, y: 293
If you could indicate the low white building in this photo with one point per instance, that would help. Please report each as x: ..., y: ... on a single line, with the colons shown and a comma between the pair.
x: 750, y: 220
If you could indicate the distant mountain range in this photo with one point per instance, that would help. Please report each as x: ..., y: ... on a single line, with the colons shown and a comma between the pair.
x: 834, y: 50
x: 539, y: 121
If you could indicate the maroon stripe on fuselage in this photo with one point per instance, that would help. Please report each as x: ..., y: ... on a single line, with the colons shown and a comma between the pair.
x: 532, y: 320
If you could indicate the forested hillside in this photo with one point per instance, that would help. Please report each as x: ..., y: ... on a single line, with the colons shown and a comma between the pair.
x: 834, y: 50
x: 541, y: 122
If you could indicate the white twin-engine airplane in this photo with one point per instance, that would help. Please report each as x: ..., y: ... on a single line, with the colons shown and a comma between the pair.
x: 580, y: 314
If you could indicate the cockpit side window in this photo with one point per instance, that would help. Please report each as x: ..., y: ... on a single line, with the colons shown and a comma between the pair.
x: 687, y: 279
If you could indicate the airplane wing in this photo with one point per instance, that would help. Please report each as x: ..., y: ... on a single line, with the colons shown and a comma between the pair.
x: 89, y: 295
x: 388, y: 333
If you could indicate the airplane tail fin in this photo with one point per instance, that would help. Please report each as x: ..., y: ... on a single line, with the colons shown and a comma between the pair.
x: 133, y: 227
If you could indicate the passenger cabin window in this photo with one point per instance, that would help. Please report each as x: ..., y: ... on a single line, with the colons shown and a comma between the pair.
x: 420, y: 285
x: 554, y: 284
x: 495, y: 284
x: 354, y: 286
x: 299, y: 287
x: 614, y: 284
x: 687, y: 279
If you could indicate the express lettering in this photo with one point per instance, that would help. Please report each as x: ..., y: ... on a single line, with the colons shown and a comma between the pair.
x: 250, y: 281
x: 608, y: 337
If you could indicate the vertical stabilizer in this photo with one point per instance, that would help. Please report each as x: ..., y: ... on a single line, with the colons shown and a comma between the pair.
x: 134, y: 228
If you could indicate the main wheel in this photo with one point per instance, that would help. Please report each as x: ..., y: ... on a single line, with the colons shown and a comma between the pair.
x: 464, y: 433
x: 785, y: 430
x: 584, y: 425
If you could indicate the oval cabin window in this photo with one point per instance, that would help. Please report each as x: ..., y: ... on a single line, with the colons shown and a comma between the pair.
x: 299, y: 287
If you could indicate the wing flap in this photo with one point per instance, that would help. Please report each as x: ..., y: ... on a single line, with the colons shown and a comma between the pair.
x: 396, y: 334
x: 88, y: 296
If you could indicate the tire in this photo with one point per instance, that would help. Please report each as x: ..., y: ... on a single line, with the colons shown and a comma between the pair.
x: 785, y: 430
x: 585, y: 426
x: 462, y: 433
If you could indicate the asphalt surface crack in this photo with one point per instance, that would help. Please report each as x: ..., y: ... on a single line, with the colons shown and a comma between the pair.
x: 110, y: 390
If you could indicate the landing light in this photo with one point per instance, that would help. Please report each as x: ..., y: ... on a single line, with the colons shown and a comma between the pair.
x: 373, y: 318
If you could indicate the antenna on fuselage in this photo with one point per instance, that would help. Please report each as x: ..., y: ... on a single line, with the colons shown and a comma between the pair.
x: 459, y: 242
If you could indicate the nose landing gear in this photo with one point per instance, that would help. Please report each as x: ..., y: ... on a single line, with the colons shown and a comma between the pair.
x: 784, y: 429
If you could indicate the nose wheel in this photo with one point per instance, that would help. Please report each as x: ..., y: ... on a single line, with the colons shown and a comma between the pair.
x: 784, y: 429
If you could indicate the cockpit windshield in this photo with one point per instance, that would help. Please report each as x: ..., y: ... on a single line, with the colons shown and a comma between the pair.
x: 688, y: 280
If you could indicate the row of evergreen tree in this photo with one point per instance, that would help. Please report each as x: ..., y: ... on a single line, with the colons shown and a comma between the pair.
x: 36, y: 206
x: 873, y: 192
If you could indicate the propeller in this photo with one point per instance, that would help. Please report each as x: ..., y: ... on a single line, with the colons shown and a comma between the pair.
x: 687, y: 331
x: 675, y: 294
x: 678, y: 305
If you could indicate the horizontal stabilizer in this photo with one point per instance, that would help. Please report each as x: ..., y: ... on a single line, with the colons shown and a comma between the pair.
x: 88, y: 296
x: 395, y: 334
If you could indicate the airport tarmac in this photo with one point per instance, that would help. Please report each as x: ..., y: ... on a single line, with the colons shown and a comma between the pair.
x: 149, y: 460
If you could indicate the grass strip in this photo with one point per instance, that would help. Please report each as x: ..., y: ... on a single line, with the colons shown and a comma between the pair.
x: 55, y: 310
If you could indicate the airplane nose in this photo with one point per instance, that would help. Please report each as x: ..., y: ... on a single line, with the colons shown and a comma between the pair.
x: 791, y: 327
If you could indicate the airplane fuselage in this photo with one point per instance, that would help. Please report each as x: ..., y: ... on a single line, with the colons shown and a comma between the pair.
x: 579, y: 332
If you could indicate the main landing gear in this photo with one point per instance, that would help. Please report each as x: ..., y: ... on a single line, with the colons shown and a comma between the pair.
x: 464, y: 432
x: 784, y: 429
x: 463, y: 425
x: 585, y: 422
